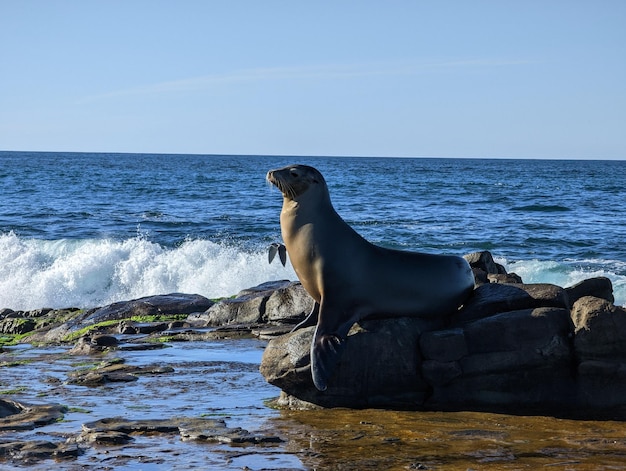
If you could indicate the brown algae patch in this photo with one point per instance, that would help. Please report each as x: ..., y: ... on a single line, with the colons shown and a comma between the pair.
x: 397, y: 440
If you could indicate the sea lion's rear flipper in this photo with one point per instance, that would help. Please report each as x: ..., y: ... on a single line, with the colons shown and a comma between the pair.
x: 279, y: 249
x: 282, y: 254
x: 273, y: 249
x: 326, y: 351
x: 310, y: 320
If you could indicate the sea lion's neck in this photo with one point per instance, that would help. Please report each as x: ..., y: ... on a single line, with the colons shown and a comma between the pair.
x: 301, y: 216
x: 306, y: 211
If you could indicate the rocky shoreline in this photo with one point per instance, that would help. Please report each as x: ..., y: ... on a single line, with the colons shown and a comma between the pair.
x: 513, y: 348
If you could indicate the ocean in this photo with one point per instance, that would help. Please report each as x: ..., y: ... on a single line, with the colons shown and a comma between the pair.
x: 85, y: 230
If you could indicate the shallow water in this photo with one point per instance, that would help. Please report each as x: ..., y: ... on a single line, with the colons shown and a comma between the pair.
x: 211, y: 379
x: 220, y: 379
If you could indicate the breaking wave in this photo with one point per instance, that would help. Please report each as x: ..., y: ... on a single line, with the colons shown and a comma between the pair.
x: 95, y: 272
x: 570, y: 272
x: 87, y: 273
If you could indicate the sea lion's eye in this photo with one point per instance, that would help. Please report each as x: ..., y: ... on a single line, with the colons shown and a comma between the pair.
x: 294, y: 172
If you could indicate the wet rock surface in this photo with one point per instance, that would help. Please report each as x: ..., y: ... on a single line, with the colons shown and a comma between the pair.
x: 29, y: 452
x: 114, y: 372
x: 18, y: 416
x: 120, y: 430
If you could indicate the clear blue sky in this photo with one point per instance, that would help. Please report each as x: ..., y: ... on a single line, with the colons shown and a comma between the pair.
x: 437, y: 78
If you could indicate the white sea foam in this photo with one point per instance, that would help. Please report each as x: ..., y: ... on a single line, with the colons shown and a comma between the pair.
x: 89, y: 273
x: 570, y: 272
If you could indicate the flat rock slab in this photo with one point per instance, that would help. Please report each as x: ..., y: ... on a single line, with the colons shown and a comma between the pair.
x: 18, y: 416
x: 34, y: 450
x: 494, y: 298
x: 97, y: 344
x: 119, y: 430
x: 167, y: 304
x: 114, y: 372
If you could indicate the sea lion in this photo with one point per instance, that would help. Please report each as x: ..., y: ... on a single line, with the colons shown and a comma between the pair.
x: 350, y: 278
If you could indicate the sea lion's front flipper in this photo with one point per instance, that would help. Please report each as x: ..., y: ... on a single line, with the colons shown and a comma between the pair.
x: 310, y: 320
x: 326, y: 351
x: 328, y: 343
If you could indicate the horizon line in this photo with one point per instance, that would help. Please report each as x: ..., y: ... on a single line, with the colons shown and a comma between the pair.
x: 309, y: 156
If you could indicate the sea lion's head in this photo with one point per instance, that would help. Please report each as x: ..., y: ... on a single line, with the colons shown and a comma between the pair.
x: 294, y: 181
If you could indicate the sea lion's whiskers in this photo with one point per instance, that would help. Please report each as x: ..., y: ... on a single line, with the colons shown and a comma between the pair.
x: 287, y: 189
x: 291, y: 191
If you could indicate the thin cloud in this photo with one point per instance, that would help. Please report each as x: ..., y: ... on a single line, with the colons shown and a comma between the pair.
x: 322, y: 72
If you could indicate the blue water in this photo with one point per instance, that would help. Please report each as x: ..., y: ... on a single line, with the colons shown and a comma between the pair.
x: 89, y: 229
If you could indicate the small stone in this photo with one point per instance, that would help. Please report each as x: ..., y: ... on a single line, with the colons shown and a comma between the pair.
x: 104, y: 340
x: 105, y: 438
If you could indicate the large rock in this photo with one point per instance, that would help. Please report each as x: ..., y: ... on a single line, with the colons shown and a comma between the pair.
x: 166, y: 304
x: 600, y: 287
x: 486, y: 270
x: 484, y: 261
x: 494, y: 298
x: 600, y: 345
x: 600, y: 329
x: 437, y: 365
x: 161, y: 305
x: 491, y: 361
x: 474, y: 365
x: 380, y: 366
x: 283, y: 302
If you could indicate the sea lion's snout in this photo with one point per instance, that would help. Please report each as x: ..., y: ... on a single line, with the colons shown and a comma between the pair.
x: 280, y: 180
x: 273, y: 178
